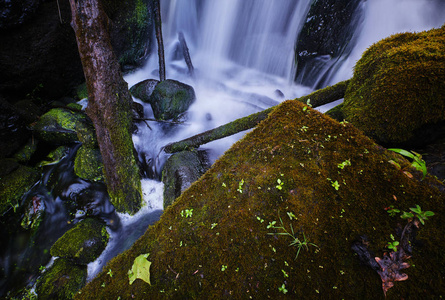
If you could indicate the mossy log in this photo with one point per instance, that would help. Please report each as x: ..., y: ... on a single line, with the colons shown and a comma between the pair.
x: 317, y: 98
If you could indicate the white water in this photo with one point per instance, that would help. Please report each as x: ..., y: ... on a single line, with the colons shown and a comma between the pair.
x: 242, y: 51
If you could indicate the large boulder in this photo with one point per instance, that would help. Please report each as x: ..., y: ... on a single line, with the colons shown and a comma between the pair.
x: 397, y: 93
x: 170, y: 98
x: 276, y: 217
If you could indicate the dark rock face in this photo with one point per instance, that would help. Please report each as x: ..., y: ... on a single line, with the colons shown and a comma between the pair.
x: 171, y: 98
x: 39, y: 53
x: 326, y: 35
x: 14, y: 13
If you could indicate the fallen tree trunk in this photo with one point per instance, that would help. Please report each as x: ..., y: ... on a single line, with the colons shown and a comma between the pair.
x: 321, y: 97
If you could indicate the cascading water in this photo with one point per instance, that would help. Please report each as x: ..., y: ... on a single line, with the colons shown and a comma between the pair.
x: 243, y: 52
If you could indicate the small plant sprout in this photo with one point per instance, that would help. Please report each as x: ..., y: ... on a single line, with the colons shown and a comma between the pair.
x: 392, y: 211
x: 416, y: 212
x: 240, y: 186
x: 213, y: 225
x: 308, y: 104
x: 110, y: 273
x: 223, y: 268
x: 418, y: 163
x: 344, y: 164
x: 282, y: 289
x: 291, y: 215
x: 187, y: 213
x: 393, y: 244
x: 279, y: 186
x: 295, y: 240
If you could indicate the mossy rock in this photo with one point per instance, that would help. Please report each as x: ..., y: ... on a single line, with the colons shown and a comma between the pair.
x: 55, y: 156
x: 61, y: 281
x: 170, y: 98
x: 326, y: 180
x: 83, y: 243
x: 143, y: 90
x: 88, y: 164
x: 397, y: 93
x: 14, y: 185
x: 58, y: 126
x: 180, y: 171
x: 24, y: 154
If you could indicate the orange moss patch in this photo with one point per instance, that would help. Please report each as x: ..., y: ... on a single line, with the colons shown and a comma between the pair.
x: 223, y: 247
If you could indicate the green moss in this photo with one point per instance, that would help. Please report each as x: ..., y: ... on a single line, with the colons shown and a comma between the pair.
x: 82, y: 91
x: 88, y: 164
x: 61, y: 281
x: 27, y: 151
x: 336, y: 113
x: 225, y: 249
x: 14, y: 185
x: 58, y: 126
x: 398, y: 87
x: 83, y: 243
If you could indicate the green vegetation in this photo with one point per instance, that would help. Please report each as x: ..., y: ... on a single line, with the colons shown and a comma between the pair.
x: 418, y: 163
x: 397, y: 92
x: 331, y: 219
x: 140, y: 269
x: 297, y: 242
x: 416, y: 212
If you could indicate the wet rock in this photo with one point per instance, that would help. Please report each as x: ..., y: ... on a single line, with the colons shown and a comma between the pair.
x: 13, y: 131
x: 397, y: 92
x: 88, y: 164
x: 62, y: 280
x: 326, y: 35
x: 55, y: 156
x: 170, y: 98
x: 144, y: 89
x: 27, y: 151
x: 58, y: 126
x: 83, y: 243
x: 180, y: 171
x: 15, y: 184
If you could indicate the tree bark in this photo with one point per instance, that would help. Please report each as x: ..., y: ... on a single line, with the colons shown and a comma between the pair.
x: 158, y: 29
x: 186, y: 54
x: 109, y: 104
x: 317, y: 98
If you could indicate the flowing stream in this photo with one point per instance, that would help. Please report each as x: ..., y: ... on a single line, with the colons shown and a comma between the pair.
x: 243, y: 54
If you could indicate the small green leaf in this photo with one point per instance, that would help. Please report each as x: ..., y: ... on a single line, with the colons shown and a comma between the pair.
x: 140, y: 269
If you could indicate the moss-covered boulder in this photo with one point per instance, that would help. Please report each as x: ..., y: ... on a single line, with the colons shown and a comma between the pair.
x: 61, y: 281
x: 276, y: 216
x: 15, y: 183
x: 88, y: 164
x: 83, y: 243
x: 170, y: 98
x: 180, y: 171
x: 143, y: 90
x: 58, y: 126
x: 397, y: 93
